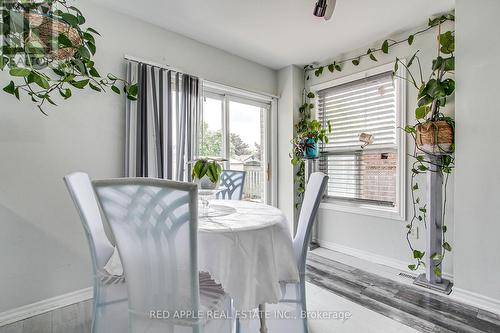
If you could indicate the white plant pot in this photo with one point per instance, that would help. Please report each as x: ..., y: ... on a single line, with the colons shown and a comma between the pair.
x: 205, y: 183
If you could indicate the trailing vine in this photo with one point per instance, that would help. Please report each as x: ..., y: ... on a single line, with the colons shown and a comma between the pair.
x: 47, y: 51
x: 432, y: 96
x: 385, y: 47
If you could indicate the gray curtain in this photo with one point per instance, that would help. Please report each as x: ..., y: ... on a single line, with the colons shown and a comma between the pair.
x: 162, y: 126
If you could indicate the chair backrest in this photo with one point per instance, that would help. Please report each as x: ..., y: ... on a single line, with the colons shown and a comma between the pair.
x: 233, y: 181
x: 82, y: 193
x: 312, y: 198
x: 154, y: 223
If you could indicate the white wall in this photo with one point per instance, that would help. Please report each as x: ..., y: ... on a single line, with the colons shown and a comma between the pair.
x: 477, y: 178
x: 290, y: 87
x: 43, y: 249
x: 373, y: 235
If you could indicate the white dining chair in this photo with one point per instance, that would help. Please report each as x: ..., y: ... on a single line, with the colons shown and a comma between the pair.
x: 292, y: 305
x: 233, y: 181
x: 154, y: 223
x: 110, y: 291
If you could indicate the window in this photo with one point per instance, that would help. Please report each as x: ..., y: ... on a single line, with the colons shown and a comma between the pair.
x: 235, y: 127
x: 365, y: 156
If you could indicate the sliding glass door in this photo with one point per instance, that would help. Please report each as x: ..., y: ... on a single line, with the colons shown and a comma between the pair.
x: 236, y: 128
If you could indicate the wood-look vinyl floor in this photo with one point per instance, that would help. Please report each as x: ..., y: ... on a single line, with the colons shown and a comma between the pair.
x: 381, y: 304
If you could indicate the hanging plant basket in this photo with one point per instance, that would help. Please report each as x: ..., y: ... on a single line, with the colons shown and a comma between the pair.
x: 435, y: 137
x: 50, y: 28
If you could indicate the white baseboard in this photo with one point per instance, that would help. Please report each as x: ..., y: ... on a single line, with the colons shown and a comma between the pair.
x: 30, y: 310
x: 458, y: 294
x: 477, y: 300
x: 375, y: 258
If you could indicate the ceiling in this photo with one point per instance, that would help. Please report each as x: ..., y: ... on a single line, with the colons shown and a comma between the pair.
x: 277, y: 33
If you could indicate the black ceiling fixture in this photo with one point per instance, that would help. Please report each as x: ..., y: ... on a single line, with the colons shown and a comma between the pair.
x: 324, y: 8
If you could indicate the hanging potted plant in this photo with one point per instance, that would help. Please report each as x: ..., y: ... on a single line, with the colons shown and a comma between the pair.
x: 206, y: 173
x: 306, y: 144
x: 434, y: 132
x: 433, y: 135
x: 47, y: 51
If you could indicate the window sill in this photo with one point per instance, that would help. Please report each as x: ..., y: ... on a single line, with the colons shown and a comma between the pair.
x: 392, y: 213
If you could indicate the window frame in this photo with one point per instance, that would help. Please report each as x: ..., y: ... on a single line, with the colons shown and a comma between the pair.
x: 230, y: 94
x: 398, y: 212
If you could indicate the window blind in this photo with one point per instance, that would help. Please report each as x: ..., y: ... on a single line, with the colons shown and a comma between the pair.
x: 363, y: 106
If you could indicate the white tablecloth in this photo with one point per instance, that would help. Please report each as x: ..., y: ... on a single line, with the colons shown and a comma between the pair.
x: 248, y: 251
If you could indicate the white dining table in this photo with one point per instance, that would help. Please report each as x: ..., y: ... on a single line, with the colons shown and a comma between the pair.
x: 247, y: 247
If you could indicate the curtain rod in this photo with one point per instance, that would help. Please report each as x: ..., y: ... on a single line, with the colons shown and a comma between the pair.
x: 165, y: 66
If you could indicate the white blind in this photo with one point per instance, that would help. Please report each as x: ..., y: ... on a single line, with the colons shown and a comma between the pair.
x: 363, y: 106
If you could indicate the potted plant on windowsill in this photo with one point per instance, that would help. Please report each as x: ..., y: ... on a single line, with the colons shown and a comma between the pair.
x: 306, y: 144
x: 206, y: 173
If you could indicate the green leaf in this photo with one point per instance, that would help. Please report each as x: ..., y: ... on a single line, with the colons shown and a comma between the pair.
x: 437, y: 63
x: 414, y: 56
x: 331, y: 68
x: 64, y: 40
x: 3, y: 62
x: 417, y: 254
x: 112, y: 77
x: 385, y: 46
x: 310, y: 94
x: 422, y: 168
x: 447, y: 246
x: 93, y: 31
x: 437, y: 257
x: 70, y: 19
x: 409, y: 129
x: 411, y: 38
x: 415, y: 187
x: 19, y: 71
x: 92, y: 47
x: 115, y: 89
x: 412, y: 267
x: 39, y: 79
x: 422, y: 111
x: 449, y: 64
x: 94, y: 72
x: 338, y: 67
x: 448, y: 86
x: 445, y: 228
x: 437, y: 271
x: 423, y: 210
x: 447, y: 41
x: 133, y: 90
x: 80, y: 84
x: 435, y: 89
x: 10, y: 88
x: 319, y: 71
x: 80, y: 66
x: 94, y: 87
x: 66, y: 93
x: 355, y: 62
x: 84, y: 52
x: 372, y: 57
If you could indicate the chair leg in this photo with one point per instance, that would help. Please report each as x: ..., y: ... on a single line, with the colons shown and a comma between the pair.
x: 304, y: 305
x: 262, y: 316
